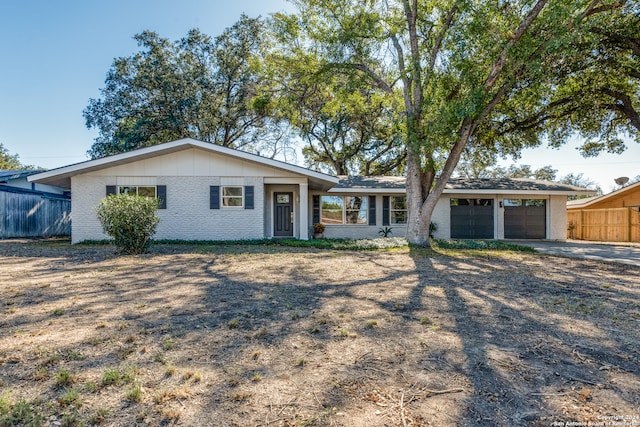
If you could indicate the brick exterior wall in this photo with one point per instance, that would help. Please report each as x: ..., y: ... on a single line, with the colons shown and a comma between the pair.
x: 187, y: 216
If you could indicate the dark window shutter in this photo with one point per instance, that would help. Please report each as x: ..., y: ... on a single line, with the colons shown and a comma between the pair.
x: 248, y: 197
x: 111, y: 189
x: 316, y: 209
x: 161, y: 192
x: 372, y: 210
x: 385, y: 210
x: 214, y: 197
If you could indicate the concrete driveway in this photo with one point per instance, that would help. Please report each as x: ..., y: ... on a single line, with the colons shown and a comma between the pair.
x: 623, y: 253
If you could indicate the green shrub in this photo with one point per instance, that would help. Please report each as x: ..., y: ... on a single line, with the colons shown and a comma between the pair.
x: 131, y: 220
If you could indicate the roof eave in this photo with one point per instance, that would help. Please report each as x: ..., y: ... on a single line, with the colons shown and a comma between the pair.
x: 64, y: 174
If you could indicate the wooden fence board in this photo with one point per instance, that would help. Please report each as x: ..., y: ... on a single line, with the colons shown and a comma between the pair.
x: 33, y: 215
x: 612, y: 225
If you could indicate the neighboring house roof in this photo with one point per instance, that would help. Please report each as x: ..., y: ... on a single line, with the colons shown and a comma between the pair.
x: 8, y: 175
x: 386, y: 184
x: 62, y: 176
x: 620, y: 193
x: 47, y: 194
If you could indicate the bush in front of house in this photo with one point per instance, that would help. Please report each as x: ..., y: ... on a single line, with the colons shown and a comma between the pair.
x: 130, y: 220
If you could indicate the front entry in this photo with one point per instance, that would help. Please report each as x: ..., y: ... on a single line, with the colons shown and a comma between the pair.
x: 283, y: 215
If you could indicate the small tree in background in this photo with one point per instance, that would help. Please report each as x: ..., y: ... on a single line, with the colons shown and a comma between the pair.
x: 130, y: 219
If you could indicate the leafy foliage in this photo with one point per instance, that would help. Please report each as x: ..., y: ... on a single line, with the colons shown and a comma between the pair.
x: 9, y: 161
x: 448, y: 69
x: 130, y: 219
x: 481, y: 245
x: 197, y: 87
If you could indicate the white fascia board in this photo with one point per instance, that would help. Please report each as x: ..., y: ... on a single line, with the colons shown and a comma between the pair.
x: 169, y: 147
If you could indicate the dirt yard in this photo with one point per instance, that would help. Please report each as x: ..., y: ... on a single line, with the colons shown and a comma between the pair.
x: 270, y: 336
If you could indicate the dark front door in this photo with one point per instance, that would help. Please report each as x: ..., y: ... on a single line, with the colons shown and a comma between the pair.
x: 283, y: 215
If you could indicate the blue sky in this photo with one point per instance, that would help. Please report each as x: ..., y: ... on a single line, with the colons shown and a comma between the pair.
x: 55, y: 56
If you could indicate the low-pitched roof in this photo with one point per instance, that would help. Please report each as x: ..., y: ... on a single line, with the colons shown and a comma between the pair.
x: 7, y: 175
x: 394, y: 184
x: 62, y: 176
x: 582, y: 203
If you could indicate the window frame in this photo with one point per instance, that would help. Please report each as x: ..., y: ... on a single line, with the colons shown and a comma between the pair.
x: 137, y: 187
x: 223, y: 197
x: 345, y: 212
x: 392, y: 211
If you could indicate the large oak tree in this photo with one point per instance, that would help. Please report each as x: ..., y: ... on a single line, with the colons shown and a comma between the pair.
x: 456, y: 64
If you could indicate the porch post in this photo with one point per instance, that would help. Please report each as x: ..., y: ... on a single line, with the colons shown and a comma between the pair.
x: 304, y: 211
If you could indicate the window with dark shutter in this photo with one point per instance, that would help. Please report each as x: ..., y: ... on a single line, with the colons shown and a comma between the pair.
x: 385, y: 210
x: 161, y: 193
x: 248, y: 197
x: 214, y: 197
x: 372, y: 210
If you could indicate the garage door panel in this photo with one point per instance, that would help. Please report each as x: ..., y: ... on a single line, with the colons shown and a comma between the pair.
x: 472, y: 221
x: 525, y: 222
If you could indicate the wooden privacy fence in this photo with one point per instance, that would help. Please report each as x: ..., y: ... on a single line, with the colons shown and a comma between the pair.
x: 606, y: 225
x: 25, y: 214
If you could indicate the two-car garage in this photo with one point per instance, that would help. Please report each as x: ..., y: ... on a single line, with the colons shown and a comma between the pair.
x: 476, y: 218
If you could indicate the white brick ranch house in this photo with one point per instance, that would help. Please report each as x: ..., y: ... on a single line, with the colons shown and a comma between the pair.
x: 209, y: 192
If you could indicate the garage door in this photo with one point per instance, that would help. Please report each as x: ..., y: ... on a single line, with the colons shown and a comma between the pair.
x: 472, y: 219
x: 525, y: 219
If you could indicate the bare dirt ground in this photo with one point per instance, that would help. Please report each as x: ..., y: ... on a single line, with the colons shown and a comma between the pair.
x: 270, y: 336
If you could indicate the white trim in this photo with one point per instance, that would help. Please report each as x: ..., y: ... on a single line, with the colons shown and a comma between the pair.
x: 222, y: 196
x: 575, y: 204
x: 170, y: 147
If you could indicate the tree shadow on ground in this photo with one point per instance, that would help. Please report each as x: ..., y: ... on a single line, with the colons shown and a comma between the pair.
x: 310, y: 337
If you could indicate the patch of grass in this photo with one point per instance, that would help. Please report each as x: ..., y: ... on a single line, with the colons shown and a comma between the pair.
x: 425, y: 321
x: 58, y: 312
x: 179, y: 393
x: 335, y: 244
x: 159, y: 357
x: 99, y: 416
x: 71, y: 354
x: 41, y: 374
x: 233, y: 323
x: 370, y: 324
x: 170, y: 414
x: 170, y: 370
x: 300, y: 362
x: 484, y: 245
x: 168, y: 344
x: 256, y: 377
x: 119, y: 375
x: 70, y: 397
x: 21, y: 413
x: 71, y: 419
x: 344, y: 333
x: 134, y: 394
x: 194, y: 376
x: 64, y: 378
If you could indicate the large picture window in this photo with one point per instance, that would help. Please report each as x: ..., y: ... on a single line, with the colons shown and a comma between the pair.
x: 343, y: 210
x: 398, y: 209
x: 232, y: 197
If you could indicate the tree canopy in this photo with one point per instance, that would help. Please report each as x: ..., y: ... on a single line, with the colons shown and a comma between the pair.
x: 198, y: 87
x: 458, y: 67
x: 10, y: 161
